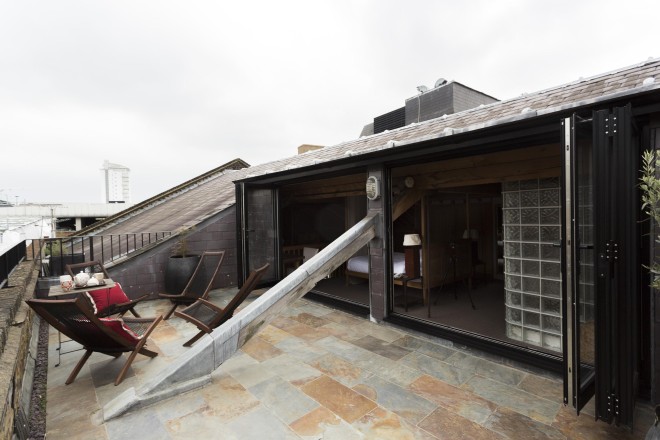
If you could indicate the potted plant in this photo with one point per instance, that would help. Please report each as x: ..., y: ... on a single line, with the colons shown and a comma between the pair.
x: 181, y: 264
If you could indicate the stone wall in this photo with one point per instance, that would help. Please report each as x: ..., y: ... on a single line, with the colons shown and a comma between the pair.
x: 18, y: 339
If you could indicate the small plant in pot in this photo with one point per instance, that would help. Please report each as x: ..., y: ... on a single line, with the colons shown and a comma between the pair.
x: 181, y: 264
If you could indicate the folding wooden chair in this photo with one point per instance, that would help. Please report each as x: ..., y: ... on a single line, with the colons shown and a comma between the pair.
x: 207, y: 316
x: 112, y: 336
x: 200, y: 282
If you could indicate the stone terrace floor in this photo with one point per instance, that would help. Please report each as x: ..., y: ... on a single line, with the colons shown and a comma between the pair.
x: 320, y: 373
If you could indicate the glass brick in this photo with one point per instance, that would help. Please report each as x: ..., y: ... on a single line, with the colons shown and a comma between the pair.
x: 529, y: 250
x: 512, y: 266
x: 550, y: 252
x: 550, y: 182
x: 549, y: 197
x: 511, y: 200
x: 531, y: 285
x: 511, y: 233
x: 550, y: 270
x: 531, y: 302
x: 513, y: 315
x: 549, y: 216
x: 552, y: 342
x: 529, y: 184
x: 529, y: 199
x: 511, y: 249
x: 513, y: 298
x: 532, y: 336
x: 511, y: 216
x: 551, y: 323
x: 529, y: 233
x: 551, y: 305
x: 531, y: 319
x: 550, y: 234
x: 551, y: 288
x: 529, y: 216
x: 530, y: 267
x: 514, y: 332
x: 512, y: 282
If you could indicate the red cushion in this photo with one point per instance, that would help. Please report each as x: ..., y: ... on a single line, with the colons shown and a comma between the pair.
x: 102, y: 298
x: 117, y: 325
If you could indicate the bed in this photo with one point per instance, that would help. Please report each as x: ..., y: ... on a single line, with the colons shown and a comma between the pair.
x: 440, y: 270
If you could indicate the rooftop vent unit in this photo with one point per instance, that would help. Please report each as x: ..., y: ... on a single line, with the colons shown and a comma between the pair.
x: 445, y: 98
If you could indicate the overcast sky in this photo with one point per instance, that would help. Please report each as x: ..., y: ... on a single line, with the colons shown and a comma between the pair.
x: 171, y: 89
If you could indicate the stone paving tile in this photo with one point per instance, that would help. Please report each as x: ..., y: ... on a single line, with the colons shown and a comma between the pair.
x: 340, y: 369
x: 527, y: 404
x: 486, y: 368
x: 306, y: 332
x: 445, y: 424
x: 70, y: 409
x: 250, y: 375
x: 381, y: 331
x: 425, y: 347
x: 436, y: 368
x: 344, y: 318
x: 260, y: 349
x: 347, y: 350
x: 399, y: 400
x: 199, y: 425
x: 284, y: 400
x: 227, y: 399
x: 310, y: 320
x: 274, y: 335
x: 514, y: 425
x: 344, y: 332
x: 381, y: 347
x: 181, y: 406
x: 385, y: 425
x: 291, y: 369
x: 584, y: 428
x: 393, y: 371
x: 460, y: 401
x: 543, y: 387
x: 323, y: 423
x: 341, y: 400
x: 256, y: 424
x: 316, y: 309
x: 300, y: 349
x: 143, y: 425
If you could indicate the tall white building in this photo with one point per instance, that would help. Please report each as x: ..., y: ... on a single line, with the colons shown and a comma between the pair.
x: 116, y: 183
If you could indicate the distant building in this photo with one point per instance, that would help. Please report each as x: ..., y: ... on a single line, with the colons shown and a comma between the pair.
x: 117, y: 184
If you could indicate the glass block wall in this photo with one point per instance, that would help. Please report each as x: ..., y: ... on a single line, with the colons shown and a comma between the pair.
x: 532, y: 267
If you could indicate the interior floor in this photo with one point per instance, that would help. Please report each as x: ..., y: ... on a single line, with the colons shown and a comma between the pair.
x: 450, y: 305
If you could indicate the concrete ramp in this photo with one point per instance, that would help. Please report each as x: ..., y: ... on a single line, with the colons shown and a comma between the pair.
x: 193, y: 369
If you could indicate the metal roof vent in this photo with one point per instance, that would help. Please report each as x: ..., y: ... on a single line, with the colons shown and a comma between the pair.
x: 440, y: 82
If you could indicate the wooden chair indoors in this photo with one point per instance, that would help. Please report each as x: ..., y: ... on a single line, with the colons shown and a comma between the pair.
x: 207, y: 316
x: 112, y: 336
x: 106, y: 302
x: 200, y: 282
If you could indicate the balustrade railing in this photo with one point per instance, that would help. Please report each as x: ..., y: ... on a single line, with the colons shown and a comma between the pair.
x: 56, y: 253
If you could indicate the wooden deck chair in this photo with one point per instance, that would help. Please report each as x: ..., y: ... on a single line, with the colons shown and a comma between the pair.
x: 200, y: 282
x: 112, y: 336
x: 111, y: 301
x: 207, y: 316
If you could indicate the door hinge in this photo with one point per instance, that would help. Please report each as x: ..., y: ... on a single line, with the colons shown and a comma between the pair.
x: 611, y: 256
x: 613, y: 405
x: 611, y: 125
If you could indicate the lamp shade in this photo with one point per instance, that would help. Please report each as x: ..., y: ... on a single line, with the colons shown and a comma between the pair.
x: 412, y: 240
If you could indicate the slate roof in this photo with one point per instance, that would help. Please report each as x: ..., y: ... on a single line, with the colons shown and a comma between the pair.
x: 207, y: 196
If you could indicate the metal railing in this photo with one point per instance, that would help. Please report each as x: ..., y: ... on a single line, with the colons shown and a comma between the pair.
x: 56, y: 253
x: 9, y: 260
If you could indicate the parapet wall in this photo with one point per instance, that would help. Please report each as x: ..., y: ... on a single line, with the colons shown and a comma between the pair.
x: 18, y: 339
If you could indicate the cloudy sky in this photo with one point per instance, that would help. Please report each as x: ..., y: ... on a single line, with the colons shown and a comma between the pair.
x: 172, y: 89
